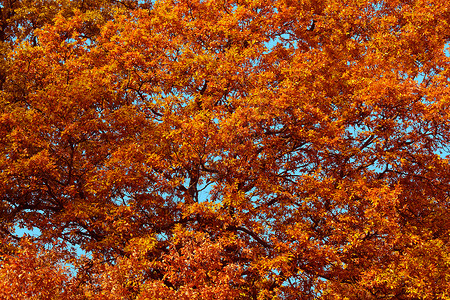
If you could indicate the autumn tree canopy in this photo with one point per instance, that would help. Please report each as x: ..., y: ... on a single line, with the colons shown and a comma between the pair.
x: 215, y: 149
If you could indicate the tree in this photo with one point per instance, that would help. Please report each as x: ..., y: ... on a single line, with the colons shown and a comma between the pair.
x: 225, y: 149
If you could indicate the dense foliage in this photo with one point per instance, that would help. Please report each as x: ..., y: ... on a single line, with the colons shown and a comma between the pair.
x: 223, y: 149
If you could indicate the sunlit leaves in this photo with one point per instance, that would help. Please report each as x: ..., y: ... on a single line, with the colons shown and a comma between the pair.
x: 225, y: 150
